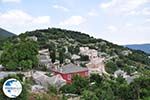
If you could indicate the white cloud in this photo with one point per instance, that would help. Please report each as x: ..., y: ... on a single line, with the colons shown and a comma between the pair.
x: 129, y: 34
x: 112, y: 28
x: 21, y: 21
x: 146, y: 11
x: 133, y: 4
x: 93, y: 13
x: 142, y: 11
x: 128, y: 24
x: 12, y: 1
x: 147, y: 20
x: 61, y: 8
x: 108, y: 4
x: 42, y: 20
x: 124, y: 4
x: 133, y: 12
x: 128, y: 7
x: 73, y: 20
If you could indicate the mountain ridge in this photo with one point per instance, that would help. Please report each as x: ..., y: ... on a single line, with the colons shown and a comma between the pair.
x: 5, y: 34
x: 143, y: 47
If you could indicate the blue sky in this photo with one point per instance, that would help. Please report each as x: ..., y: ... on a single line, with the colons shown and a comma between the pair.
x: 118, y: 21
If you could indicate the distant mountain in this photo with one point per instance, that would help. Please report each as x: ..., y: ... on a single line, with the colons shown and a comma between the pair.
x: 143, y: 47
x: 5, y: 34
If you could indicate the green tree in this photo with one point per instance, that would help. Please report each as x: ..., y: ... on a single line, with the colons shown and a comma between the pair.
x: 96, y: 78
x: 52, y: 50
x: 88, y: 95
x: 53, y: 55
x: 79, y: 84
x: 61, y: 55
x: 111, y: 67
x: 84, y: 58
x: 20, y: 56
x: 52, y: 90
x: 140, y: 88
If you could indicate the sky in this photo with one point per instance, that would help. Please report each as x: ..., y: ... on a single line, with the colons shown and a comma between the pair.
x: 118, y: 21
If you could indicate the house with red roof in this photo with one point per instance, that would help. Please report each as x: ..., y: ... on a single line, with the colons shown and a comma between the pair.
x: 68, y: 71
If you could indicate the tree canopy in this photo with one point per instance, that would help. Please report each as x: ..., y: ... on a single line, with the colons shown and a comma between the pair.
x: 20, y: 56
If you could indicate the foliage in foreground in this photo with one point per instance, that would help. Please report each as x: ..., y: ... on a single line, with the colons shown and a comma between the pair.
x: 109, y: 89
x: 20, y: 56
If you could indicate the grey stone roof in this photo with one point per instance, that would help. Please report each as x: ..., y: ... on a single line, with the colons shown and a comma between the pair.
x: 5, y: 74
x: 43, y: 57
x: 45, y: 81
x: 70, y: 68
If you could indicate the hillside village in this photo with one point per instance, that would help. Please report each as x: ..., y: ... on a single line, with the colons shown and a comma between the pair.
x: 61, y: 58
x: 63, y: 74
x: 94, y: 66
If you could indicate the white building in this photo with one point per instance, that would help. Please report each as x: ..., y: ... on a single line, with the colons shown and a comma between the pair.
x: 83, y: 50
x: 120, y: 73
x: 75, y: 57
x: 97, y: 66
x: 44, y: 57
x: 123, y: 74
x: 34, y: 38
x: 126, y: 52
x: 92, y: 53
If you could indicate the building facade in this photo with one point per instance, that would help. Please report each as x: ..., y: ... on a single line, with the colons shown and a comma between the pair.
x: 69, y: 71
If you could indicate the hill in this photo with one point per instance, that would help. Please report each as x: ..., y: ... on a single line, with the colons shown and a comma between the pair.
x: 118, y: 56
x: 143, y: 47
x: 63, y: 44
x: 5, y: 34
